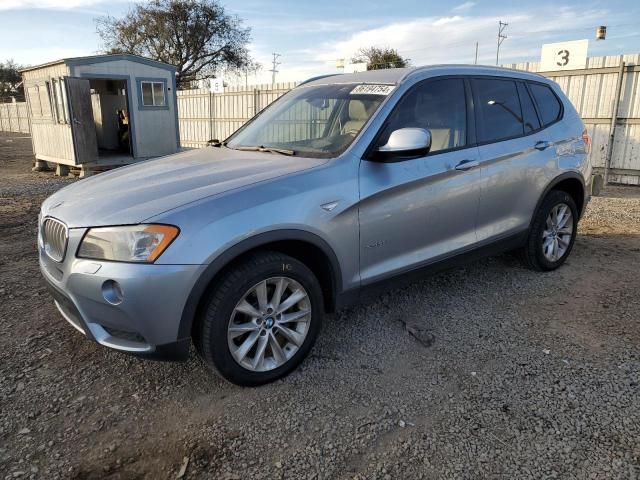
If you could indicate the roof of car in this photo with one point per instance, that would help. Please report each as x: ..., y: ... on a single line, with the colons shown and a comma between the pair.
x: 397, y: 75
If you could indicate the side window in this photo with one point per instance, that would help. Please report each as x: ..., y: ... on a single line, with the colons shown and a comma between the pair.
x: 438, y: 106
x: 548, y: 104
x: 531, y: 122
x: 498, y: 110
x: 152, y: 94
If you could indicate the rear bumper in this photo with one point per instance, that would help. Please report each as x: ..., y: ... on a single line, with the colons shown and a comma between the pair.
x: 145, y: 322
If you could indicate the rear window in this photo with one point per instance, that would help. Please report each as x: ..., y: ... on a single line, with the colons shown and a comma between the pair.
x: 548, y: 104
x: 499, y: 115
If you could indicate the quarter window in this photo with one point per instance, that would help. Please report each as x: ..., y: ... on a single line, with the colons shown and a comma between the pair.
x: 548, y: 104
x: 438, y: 106
x: 498, y: 111
x: 153, y: 94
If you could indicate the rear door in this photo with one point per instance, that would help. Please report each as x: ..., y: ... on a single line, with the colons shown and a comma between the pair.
x: 82, y: 123
x: 415, y: 211
x: 516, y: 156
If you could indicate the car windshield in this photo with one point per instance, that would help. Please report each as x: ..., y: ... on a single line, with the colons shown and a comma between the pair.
x: 314, y: 121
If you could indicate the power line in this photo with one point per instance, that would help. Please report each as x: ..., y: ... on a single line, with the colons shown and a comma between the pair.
x: 501, y: 36
x: 274, y: 69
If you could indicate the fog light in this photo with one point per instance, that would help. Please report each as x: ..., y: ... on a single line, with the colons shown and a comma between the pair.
x: 112, y: 292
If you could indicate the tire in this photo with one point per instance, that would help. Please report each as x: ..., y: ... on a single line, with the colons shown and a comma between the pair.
x: 217, y: 336
x: 533, y: 253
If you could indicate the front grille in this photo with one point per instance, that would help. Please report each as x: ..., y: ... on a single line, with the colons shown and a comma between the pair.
x: 54, y: 238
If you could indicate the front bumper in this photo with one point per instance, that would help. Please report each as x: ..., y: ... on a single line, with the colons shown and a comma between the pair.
x: 144, y: 321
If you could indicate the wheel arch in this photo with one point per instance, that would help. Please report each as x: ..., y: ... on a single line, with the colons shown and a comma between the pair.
x: 305, y: 246
x: 569, y: 182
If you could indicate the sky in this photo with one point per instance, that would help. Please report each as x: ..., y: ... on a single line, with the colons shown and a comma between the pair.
x: 311, y: 36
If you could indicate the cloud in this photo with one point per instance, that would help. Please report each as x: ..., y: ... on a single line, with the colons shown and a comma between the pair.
x: 448, y: 39
x: 464, y: 7
x: 46, y: 4
x: 451, y: 39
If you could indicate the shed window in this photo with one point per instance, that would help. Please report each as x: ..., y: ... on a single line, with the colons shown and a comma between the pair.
x: 59, y: 100
x: 34, y: 101
x: 153, y: 94
x: 39, y: 100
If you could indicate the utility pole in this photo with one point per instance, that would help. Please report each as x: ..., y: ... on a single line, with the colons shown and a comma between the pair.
x: 476, y: 60
x: 274, y: 69
x: 501, y: 37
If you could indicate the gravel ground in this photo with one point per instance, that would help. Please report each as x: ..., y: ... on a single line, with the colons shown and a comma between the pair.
x: 487, y: 371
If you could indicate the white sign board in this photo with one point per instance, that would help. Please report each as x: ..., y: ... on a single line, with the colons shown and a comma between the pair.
x: 216, y: 85
x: 564, y: 56
x: 355, y: 67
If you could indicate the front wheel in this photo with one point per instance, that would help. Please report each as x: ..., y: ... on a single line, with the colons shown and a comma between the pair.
x: 261, y: 319
x: 552, y: 234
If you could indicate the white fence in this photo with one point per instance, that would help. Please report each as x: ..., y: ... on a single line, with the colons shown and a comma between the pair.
x: 14, y: 117
x: 205, y: 116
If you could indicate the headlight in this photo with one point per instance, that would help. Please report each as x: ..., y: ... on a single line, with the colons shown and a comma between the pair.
x: 136, y: 243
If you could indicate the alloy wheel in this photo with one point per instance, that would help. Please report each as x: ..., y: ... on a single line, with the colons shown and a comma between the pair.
x: 269, y: 324
x: 556, y: 237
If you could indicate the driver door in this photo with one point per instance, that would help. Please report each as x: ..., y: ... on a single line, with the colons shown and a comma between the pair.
x: 416, y: 211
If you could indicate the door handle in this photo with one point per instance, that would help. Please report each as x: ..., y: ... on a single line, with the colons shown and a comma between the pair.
x: 465, y: 165
x: 542, y: 145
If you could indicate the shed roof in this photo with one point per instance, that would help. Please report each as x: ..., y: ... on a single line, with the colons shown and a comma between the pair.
x: 90, y: 59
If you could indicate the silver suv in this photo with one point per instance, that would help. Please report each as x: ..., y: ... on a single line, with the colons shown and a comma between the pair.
x: 342, y: 184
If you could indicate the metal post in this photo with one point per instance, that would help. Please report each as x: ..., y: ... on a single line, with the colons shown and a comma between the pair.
x: 274, y: 69
x: 211, y: 106
x: 612, y: 126
x: 213, y: 116
x: 476, y: 60
x: 501, y: 37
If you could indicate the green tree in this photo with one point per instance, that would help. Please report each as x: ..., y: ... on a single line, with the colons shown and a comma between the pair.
x: 10, y: 81
x: 197, y: 36
x: 378, y: 58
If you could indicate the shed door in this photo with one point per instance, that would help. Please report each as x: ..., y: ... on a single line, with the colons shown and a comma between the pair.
x: 82, y: 123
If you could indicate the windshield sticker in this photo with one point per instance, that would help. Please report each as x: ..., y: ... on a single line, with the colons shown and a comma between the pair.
x: 372, y: 90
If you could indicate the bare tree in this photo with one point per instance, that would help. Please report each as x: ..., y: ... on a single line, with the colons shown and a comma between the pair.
x: 197, y: 36
x: 378, y: 58
x: 10, y: 81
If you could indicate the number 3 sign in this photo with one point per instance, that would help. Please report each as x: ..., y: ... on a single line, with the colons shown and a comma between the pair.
x: 564, y: 56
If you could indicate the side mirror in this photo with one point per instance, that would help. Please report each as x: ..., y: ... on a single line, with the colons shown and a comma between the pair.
x: 406, y: 142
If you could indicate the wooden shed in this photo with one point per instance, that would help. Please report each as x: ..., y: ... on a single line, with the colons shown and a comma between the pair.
x: 101, y: 111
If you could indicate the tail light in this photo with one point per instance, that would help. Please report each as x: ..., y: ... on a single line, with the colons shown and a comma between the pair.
x: 586, y: 138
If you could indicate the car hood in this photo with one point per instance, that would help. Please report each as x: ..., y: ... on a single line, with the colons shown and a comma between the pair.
x: 132, y: 194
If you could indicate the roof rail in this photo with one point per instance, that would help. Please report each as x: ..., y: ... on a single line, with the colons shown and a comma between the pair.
x: 318, y: 77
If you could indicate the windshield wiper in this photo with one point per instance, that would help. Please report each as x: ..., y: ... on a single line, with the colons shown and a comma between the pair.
x: 262, y: 148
